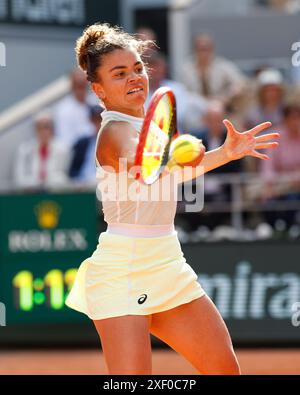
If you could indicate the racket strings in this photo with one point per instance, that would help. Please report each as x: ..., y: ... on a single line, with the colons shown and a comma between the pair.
x: 172, y: 131
x: 159, y: 127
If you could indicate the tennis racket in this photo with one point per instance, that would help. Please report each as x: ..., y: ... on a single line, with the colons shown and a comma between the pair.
x: 158, y: 130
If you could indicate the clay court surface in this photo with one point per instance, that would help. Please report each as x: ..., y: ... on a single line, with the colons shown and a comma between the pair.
x: 252, y: 361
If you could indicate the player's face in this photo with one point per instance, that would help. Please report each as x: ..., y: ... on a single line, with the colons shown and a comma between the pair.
x: 123, y: 82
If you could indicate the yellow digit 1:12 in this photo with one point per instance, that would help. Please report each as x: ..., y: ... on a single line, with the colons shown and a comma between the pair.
x: 29, y: 290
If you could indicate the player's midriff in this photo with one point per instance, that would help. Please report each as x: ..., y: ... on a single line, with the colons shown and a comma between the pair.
x: 141, y: 230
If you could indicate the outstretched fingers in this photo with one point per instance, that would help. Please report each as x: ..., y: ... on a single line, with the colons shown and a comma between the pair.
x: 259, y: 155
x: 268, y: 136
x: 259, y: 128
x: 229, y: 126
x: 273, y: 144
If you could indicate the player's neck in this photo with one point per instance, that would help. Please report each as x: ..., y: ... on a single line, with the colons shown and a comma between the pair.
x: 139, y: 113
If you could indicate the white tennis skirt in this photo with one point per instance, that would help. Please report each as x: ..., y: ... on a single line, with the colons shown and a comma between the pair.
x: 136, y: 270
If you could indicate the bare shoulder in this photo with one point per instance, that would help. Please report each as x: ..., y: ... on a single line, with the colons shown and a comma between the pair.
x: 115, y: 130
x: 114, y: 138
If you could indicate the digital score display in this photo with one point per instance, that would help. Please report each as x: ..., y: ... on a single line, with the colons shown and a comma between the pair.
x: 51, y: 290
x: 41, y: 247
x: 36, y: 292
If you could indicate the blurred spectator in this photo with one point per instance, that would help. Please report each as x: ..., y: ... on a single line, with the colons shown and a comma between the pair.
x: 284, y: 160
x: 82, y: 166
x: 209, y: 75
x: 290, y: 6
x: 213, y: 136
x: 43, y: 161
x: 269, y: 105
x: 146, y: 33
x: 216, y: 190
x: 72, y: 112
x: 190, y: 106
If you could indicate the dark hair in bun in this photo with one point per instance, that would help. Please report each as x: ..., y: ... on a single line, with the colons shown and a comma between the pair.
x: 100, y: 39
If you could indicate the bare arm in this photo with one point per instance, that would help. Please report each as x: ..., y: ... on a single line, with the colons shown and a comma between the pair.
x: 236, y: 146
x: 117, y: 140
x: 211, y: 160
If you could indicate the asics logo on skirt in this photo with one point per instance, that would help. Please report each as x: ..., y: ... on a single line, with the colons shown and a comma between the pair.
x: 142, y: 299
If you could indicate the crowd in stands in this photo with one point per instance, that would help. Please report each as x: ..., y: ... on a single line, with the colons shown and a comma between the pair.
x: 211, y: 88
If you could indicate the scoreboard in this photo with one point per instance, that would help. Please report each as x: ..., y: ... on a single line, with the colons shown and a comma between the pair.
x: 43, y: 239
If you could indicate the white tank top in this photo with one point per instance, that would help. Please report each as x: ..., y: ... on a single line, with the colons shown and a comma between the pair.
x: 128, y: 201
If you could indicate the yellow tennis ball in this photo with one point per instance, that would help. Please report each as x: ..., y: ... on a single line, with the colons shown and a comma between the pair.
x: 187, y: 150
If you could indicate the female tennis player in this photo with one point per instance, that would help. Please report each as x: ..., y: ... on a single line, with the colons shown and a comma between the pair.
x: 137, y: 281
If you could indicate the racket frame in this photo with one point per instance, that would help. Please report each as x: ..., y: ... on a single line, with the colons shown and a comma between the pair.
x: 155, y: 99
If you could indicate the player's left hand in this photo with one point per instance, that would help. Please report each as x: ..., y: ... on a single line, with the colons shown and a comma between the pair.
x: 237, y: 144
